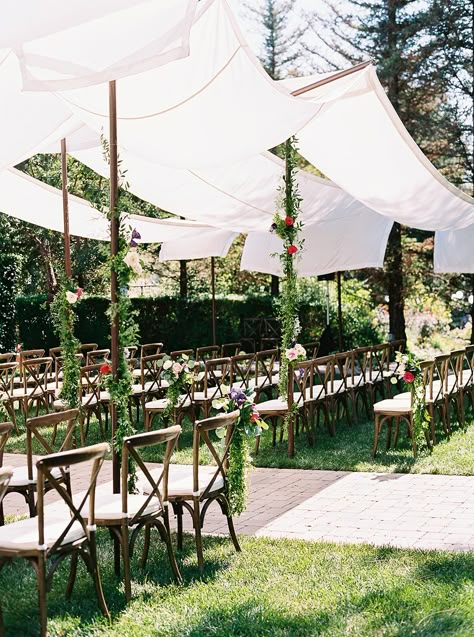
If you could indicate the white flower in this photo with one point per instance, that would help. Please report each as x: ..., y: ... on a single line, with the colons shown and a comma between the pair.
x: 177, y: 368
x: 133, y: 261
x: 168, y: 364
x: 71, y: 297
x: 300, y: 350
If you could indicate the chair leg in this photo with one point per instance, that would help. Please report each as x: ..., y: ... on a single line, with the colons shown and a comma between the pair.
x: 43, y: 607
x: 94, y: 570
x: 146, y: 547
x: 376, y: 434
x: 389, y: 433
x: 126, y: 560
x: 230, y: 522
x: 72, y: 575
x: 166, y: 537
x: 178, y: 509
x: 197, y: 534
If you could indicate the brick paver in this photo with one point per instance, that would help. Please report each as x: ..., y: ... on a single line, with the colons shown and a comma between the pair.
x: 405, y: 510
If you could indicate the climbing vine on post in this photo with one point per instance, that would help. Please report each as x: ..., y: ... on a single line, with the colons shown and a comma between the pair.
x: 287, y: 225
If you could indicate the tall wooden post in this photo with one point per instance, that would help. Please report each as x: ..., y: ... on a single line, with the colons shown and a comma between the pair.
x: 339, y: 309
x: 213, y: 300
x: 114, y: 234
x: 67, y: 238
x: 291, y: 423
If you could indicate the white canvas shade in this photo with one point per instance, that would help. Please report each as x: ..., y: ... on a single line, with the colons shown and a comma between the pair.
x: 454, y: 251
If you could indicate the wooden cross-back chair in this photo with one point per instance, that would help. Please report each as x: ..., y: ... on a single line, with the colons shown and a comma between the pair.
x: 85, y: 348
x: 195, y: 487
x: 455, y: 365
x: 9, y: 394
x: 45, y: 541
x: 216, y: 373
x: 97, y: 356
x: 342, y: 388
x: 323, y: 391
x: 158, y: 406
x: 209, y: 352
x: 440, y: 390
x: 36, y: 374
x: 266, y: 373
x: 149, y: 349
x: 242, y: 371
x: 230, y: 349
x: 311, y: 349
x: 28, y: 354
x: 125, y: 515
x: 7, y: 357
x: 466, y: 377
x: 178, y: 353
x: 150, y: 384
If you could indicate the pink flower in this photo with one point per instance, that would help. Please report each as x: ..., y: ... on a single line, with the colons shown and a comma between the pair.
x: 18, y: 348
x: 408, y: 377
x: 79, y: 292
x: 291, y: 354
x: 177, y: 368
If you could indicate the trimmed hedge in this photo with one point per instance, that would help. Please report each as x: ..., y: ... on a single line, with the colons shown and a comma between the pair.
x: 178, y: 323
x: 8, y: 269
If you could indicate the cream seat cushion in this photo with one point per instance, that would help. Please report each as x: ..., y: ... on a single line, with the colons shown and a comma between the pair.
x: 108, y: 506
x: 23, y: 535
x: 180, y: 480
x: 20, y: 476
x: 391, y: 405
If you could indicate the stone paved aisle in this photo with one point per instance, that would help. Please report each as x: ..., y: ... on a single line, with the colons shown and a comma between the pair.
x: 405, y: 510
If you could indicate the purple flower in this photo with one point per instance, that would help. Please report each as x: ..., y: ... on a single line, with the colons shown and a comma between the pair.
x: 135, y: 235
x: 273, y: 227
x: 237, y: 395
x: 300, y: 372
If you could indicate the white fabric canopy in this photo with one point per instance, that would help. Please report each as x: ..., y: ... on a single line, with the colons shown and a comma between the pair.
x: 359, y: 142
x: 212, y: 108
x: 454, y: 250
x: 31, y: 200
x: 64, y: 45
x: 331, y: 245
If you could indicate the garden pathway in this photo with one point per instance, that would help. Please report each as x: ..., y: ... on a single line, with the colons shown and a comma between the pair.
x: 404, y: 510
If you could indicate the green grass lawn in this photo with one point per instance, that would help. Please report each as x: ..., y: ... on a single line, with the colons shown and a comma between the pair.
x: 274, y: 588
x: 349, y: 450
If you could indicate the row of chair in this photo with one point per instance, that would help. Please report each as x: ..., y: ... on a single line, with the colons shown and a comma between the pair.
x: 55, y: 532
x: 449, y: 383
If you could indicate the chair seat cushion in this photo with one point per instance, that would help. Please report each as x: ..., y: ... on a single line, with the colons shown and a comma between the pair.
x: 354, y: 381
x: 406, y: 396
x: 20, y: 476
x: 180, y: 480
x: 23, y: 535
x: 161, y: 403
x: 276, y: 405
x: 390, y: 405
x: 212, y: 392
x: 108, y: 507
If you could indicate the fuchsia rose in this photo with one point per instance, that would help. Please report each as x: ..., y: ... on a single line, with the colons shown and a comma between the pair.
x: 408, y: 377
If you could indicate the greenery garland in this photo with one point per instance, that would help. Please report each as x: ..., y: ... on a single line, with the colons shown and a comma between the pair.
x: 180, y: 374
x: 409, y: 371
x: 64, y: 319
x: 288, y: 226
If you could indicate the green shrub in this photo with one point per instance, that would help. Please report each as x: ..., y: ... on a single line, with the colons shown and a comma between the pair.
x: 8, y: 269
x: 181, y: 323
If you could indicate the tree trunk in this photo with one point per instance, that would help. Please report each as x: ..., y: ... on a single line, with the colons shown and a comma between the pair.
x: 275, y: 286
x: 183, y: 279
x: 394, y: 283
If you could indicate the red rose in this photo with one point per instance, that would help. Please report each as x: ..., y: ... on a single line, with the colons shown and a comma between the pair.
x: 254, y: 416
x: 79, y: 293
x: 408, y: 377
x: 289, y: 221
x: 292, y: 249
x: 105, y: 369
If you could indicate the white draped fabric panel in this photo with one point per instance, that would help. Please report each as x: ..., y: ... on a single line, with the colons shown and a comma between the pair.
x: 331, y: 245
x: 454, y: 250
x: 65, y: 45
x: 29, y: 121
x: 214, y: 107
x: 31, y: 200
x: 359, y: 142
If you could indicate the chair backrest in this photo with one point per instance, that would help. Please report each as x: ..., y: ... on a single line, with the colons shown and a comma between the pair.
x: 47, y: 474
x: 344, y: 364
x: 149, y: 349
x: 455, y: 369
x: 379, y: 360
x: 300, y: 383
x: 219, y: 452
x: 36, y: 373
x: 362, y: 357
x: 323, y: 373
x: 96, y: 356
x: 7, y: 377
x: 269, y: 342
x: 54, y: 352
x: 230, y: 349
x: 265, y: 368
x: 151, y: 373
x: 209, y: 352
x: 242, y: 370
x: 157, y: 482
x: 59, y: 364
x: 216, y: 377
x: 87, y: 347
x: 427, y: 369
x: 397, y: 345
x: 442, y: 368
x: 5, y: 477
x: 5, y: 430
x: 7, y: 357
x: 36, y: 424
x: 467, y: 371
x: 28, y: 354
x: 311, y: 349
x: 178, y: 353
x: 130, y: 351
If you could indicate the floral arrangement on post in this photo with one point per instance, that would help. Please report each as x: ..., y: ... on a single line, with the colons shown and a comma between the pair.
x: 64, y: 319
x: 179, y: 374
x: 248, y: 424
x: 287, y: 226
x: 409, y: 372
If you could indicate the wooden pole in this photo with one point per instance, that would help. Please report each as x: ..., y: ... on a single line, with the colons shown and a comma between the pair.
x: 213, y: 291
x: 291, y: 423
x: 339, y: 309
x: 67, y: 237
x: 114, y: 234
x: 332, y: 78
